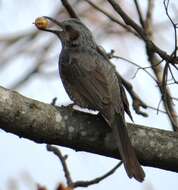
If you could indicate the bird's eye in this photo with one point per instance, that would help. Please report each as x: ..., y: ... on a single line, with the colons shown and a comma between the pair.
x: 72, y: 33
x: 68, y: 28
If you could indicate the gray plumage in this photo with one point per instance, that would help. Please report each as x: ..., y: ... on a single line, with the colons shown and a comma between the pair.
x: 91, y: 82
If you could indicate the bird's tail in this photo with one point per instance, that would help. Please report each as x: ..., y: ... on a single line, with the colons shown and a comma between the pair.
x: 131, y: 164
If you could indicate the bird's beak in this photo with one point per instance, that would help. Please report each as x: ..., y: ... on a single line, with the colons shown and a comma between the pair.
x: 51, y: 30
x: 54, y: 21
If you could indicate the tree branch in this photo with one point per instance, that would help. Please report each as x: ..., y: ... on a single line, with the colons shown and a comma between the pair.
x: 69, y: 9
x: 141, y: 32
x: 140, y: 15
x: 44, y: 123
x: 62, y: 158
x: 112, y: 18
x: 159, y: 71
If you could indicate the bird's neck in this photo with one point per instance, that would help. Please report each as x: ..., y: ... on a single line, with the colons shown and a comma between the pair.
x: 80, y: 44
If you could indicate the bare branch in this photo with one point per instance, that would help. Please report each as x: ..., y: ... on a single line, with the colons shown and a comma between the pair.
x: 98, y: 179
x: 160, y: 73
x: 139, y: 13
x: 112, y: 18
x: 39, y: 62
x: 149, y: 14
x: 140, y: 31
x: 166, y: 6
x: 138, y: 67
x: 76, y: 184
x: 44, y: 123
x: 62, y: 158
x: 127, y: 19
x: 137, y: 102
x: 69, y: 9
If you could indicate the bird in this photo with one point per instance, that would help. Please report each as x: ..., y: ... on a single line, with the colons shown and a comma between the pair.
x: 91, y: 82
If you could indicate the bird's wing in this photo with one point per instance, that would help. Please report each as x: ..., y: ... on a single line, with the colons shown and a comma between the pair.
x: 97, y: 84
x: 102, y: 51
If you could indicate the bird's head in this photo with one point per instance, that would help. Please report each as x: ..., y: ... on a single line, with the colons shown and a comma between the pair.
x: 72, y: 32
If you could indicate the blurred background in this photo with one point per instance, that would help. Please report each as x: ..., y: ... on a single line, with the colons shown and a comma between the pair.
x: 28, y: 64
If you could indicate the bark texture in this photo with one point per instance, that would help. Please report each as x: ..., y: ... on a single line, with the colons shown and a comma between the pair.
x: 44, y: 123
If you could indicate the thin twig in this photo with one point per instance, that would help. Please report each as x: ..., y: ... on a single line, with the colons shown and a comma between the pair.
x: 53, y: 102
x: 62, y: 158
x: 139, y: 13
x: 167, y: 100
x: 166, y: 6
x: 98, y: 179
x: 135, y: 64
x: 137, y: 102
x: 161, y: 74
x: 69, y: 9
x: 141, y: 32
x: 39, y: 62
x: 112, y: 18
x: 76, y: 184
x: 127, y: 19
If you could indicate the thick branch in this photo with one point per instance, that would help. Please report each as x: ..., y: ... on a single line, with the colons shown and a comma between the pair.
x: 44, y: 123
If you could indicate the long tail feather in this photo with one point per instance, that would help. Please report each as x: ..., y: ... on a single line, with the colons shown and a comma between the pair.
x: 131, y: 164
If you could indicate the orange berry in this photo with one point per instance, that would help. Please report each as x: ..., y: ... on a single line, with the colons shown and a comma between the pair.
x: 41, y: 23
